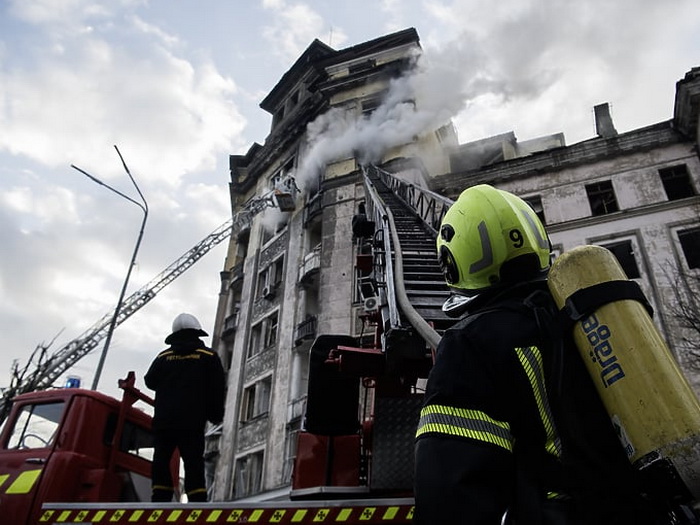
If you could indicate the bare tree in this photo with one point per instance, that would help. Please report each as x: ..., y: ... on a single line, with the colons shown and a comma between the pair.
x: 21, y: 379
x: 686, y: 314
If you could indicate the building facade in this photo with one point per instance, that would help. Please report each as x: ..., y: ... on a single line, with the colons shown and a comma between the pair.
x: 290, y: 275
x: 634, y: 193
x: 290, y: 269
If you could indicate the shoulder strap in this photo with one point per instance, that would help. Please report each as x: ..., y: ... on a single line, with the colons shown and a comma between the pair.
x: 586, y: 300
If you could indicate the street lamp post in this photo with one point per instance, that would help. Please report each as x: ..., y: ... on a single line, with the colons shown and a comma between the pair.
x: 144, y: 207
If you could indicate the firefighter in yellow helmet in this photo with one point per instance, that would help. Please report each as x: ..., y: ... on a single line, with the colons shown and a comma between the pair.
x: 511, y: 423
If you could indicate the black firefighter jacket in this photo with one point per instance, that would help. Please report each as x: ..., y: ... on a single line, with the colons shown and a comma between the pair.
x: 189, y: 383
x: 512, y: 421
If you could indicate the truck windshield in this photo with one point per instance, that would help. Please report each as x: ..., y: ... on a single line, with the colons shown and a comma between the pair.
x: 36, y: 425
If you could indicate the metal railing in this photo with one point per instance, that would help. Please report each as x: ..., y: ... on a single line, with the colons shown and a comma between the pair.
x: 431, y: 208
x: 428, y: 205
x: 384, y: 267
x: 306, y: 330
x: 310, y: 263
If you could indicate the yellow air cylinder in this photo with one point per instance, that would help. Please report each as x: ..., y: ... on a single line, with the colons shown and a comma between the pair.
x: 650, y: 403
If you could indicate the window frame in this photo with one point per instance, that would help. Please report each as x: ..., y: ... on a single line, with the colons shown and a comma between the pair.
x: 617, y: 248
x: 28, y: 427
x: 684, y: 232
x: 677, y: 182
x: 599, y: 190
x: 255, y: 340
x: 270, y: 330
x: 255, y: 400
x: 248, y: 474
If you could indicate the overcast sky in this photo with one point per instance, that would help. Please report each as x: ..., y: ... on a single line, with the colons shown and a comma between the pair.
x: 176, y: 84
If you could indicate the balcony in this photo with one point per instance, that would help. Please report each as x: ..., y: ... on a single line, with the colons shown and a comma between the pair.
x: 295, y: 409
x: 306, y: 330
x: 310, y: 266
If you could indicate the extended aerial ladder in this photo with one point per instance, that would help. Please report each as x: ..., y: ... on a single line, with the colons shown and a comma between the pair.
x: 407, y: 271
x: 50, y: 368
x: 402, y: 291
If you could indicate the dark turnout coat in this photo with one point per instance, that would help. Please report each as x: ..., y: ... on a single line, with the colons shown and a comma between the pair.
x: 189, y: 383
x: 511, y: 420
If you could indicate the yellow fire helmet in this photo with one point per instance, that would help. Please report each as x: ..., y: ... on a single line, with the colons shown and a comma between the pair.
x: 490, y: 237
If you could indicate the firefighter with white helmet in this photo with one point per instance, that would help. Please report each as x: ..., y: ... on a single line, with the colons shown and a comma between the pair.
x: 511, y: 423
x: 189, y: 382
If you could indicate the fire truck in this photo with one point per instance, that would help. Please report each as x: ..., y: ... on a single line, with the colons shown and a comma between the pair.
x: 69, y: 455
x: 92, y: 452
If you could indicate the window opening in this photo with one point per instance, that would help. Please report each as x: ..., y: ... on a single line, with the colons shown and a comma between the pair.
x: 256, y: 399
x: 690, y: 244
x: 271, y: 330
x: 248, y: 475
x: 254, y: 344
x: 676, y: 181
x: 601, y: 197
x: 624, y: 253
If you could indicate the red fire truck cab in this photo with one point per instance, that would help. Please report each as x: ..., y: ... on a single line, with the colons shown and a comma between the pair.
x: 73, y: 445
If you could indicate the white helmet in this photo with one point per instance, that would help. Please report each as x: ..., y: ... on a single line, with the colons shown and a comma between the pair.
x: 186, y: 321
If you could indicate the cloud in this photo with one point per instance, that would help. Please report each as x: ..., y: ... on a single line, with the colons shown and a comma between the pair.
x: 58, y: 13
x: 547, y: 63
x: 295, y: 25
x: 76, y: 78
x: 69, y: 103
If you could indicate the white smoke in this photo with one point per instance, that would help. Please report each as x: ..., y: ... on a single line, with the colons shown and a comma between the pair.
x: 435, y: 89
x: 439, y: 86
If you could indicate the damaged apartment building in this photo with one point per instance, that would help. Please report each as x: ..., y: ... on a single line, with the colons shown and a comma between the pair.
x: 291, y: 269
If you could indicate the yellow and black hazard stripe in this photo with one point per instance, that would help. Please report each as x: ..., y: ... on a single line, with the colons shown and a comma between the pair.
x: 475, y: 424
x: 531, y: 361
x: 463, y: 422
x: 348, y: 515
x: 21, y: 484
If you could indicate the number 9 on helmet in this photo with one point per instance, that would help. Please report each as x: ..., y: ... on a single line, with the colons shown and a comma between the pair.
x: 491, y: 238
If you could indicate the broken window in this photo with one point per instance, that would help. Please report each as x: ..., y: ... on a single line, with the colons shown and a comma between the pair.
x: 601, y: 197
x: 263, y: 335
x: 690, y: 244
x: 280, y: 180
x: 676, y: 181
x: 624, y: 253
